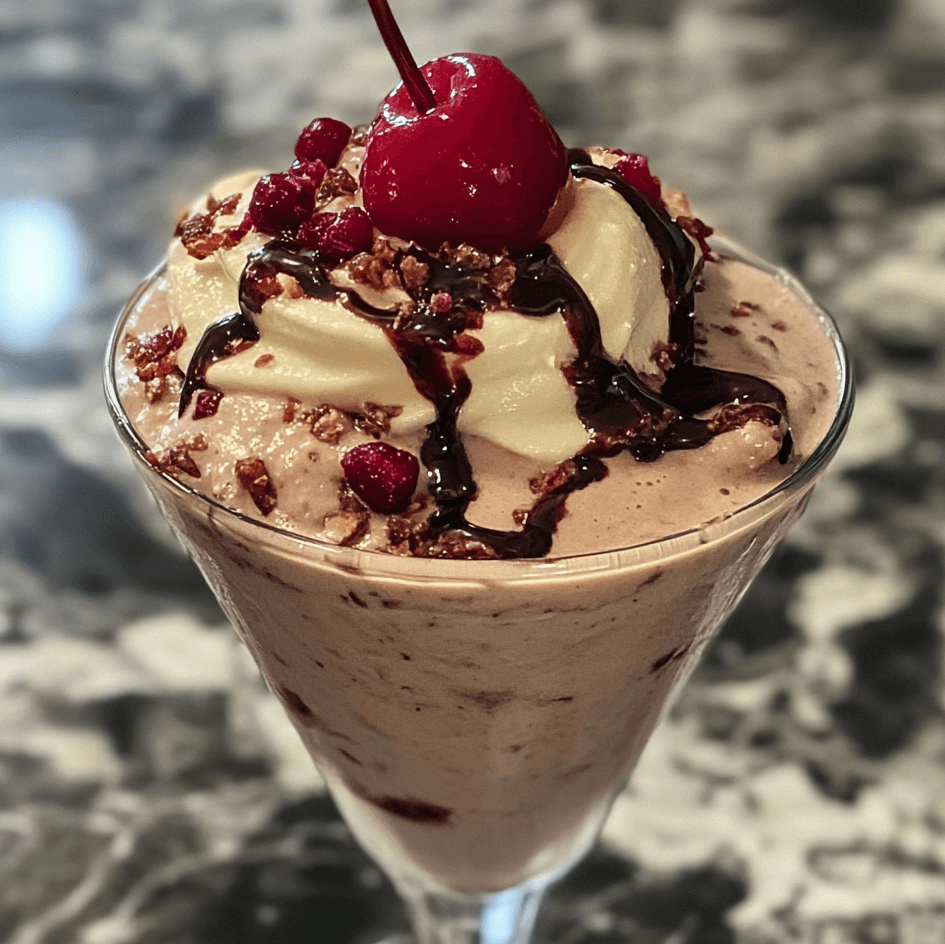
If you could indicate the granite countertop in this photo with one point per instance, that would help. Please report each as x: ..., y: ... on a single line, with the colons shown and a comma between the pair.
x: 151, y: 791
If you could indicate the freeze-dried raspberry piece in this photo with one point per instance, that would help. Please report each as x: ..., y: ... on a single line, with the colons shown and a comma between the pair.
x: 323, y: 139
x: 290, y: 409
x: 254, y: 477
x: 666, y: 354
x: 311, y: 171
x: 148, y: 352
x: 635, y: 170
x: 381, y: 475
x: 698, y: 231
x: 338, y: 236
x: 207, y: 403
x: 744, y: 309
x: 280, y: 203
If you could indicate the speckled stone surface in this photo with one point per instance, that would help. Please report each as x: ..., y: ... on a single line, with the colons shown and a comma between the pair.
x: 151, y: 791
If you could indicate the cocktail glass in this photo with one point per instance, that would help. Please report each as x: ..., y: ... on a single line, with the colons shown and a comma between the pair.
x: 474, y: 720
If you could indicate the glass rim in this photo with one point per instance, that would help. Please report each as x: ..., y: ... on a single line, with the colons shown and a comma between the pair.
x: 392, y: 565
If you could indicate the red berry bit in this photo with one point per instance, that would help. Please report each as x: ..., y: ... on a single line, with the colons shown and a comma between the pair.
x: 207, y: 404
x: 280, y: 202
x: 338, y: 236
x: 311, y: 172
x: 323, y: 140
x: 635, y: 170
x: 441, y: 302
x: 381, y: 475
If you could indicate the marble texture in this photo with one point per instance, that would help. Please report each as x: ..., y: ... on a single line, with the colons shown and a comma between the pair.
x: 151, y: 791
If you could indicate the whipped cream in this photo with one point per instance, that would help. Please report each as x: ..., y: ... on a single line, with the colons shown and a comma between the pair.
x: 319, y: 351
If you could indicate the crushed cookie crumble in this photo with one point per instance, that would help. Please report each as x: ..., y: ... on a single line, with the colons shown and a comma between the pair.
x: 290, y: 409
x: 346, y: 528
x: 178, y: 458
x: 155, y: 359
x: 326, y: 423
x: 375, y: 419
x: 414, y: 273
x: 336, y: 183
x: 546, y: 483
x: 254, y: 477
x: 501, y: 280
x: 467, y: 257
x: 197, y: 232
x: 351, y: 522
x: 736, y: 415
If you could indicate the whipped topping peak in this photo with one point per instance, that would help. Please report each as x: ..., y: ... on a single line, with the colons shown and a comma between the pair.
x: 318, y: 349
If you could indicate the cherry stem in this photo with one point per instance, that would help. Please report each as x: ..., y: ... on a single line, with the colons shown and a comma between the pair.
x: 414, y: 82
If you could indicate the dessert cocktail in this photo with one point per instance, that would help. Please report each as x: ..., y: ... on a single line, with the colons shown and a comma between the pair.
x: 617, y: 417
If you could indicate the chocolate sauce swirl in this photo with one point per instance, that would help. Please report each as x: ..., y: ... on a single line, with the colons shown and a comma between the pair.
x: 223, y: 338
x: 238, y: 330
x: 619, y: 411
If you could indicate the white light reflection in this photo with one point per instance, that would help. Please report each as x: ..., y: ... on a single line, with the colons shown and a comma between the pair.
x: 506, y: 913
x: 40, y: 270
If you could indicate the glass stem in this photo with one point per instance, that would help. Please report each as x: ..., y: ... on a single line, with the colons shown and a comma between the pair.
x: 506, y: 917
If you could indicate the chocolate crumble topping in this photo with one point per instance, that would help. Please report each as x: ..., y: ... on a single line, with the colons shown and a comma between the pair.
x: 351, y: 522
x: 289, y: 409
x: 736, y: 415
x: 326, y: 423
x: 155, y: 359
x: 197, y: 233
x: 336, y: 183
x: 178, y: 458
x: 375, y: 420
x: 376, y: 268
x: 253, y: 476
x: 666, y: 355
x: 414, y: 274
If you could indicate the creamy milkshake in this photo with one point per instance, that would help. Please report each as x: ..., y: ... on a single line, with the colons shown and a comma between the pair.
x: 475, y: 716
x: 476, y: 504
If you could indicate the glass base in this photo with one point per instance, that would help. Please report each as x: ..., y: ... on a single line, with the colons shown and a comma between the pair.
x: 506, y: 917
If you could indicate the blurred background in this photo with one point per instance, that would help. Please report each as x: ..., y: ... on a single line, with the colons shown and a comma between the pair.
x: 151, y: 792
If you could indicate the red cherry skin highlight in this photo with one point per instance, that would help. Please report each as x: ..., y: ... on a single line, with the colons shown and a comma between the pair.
x: 483, y: 167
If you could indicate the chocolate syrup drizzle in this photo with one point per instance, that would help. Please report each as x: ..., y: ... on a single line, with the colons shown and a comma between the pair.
x: 615, y: 406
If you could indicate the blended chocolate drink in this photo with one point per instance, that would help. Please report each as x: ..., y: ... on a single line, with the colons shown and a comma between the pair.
x: 475, y: 495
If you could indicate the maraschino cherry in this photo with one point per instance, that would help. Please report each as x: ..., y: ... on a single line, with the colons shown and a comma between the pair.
x: 459, y: 152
